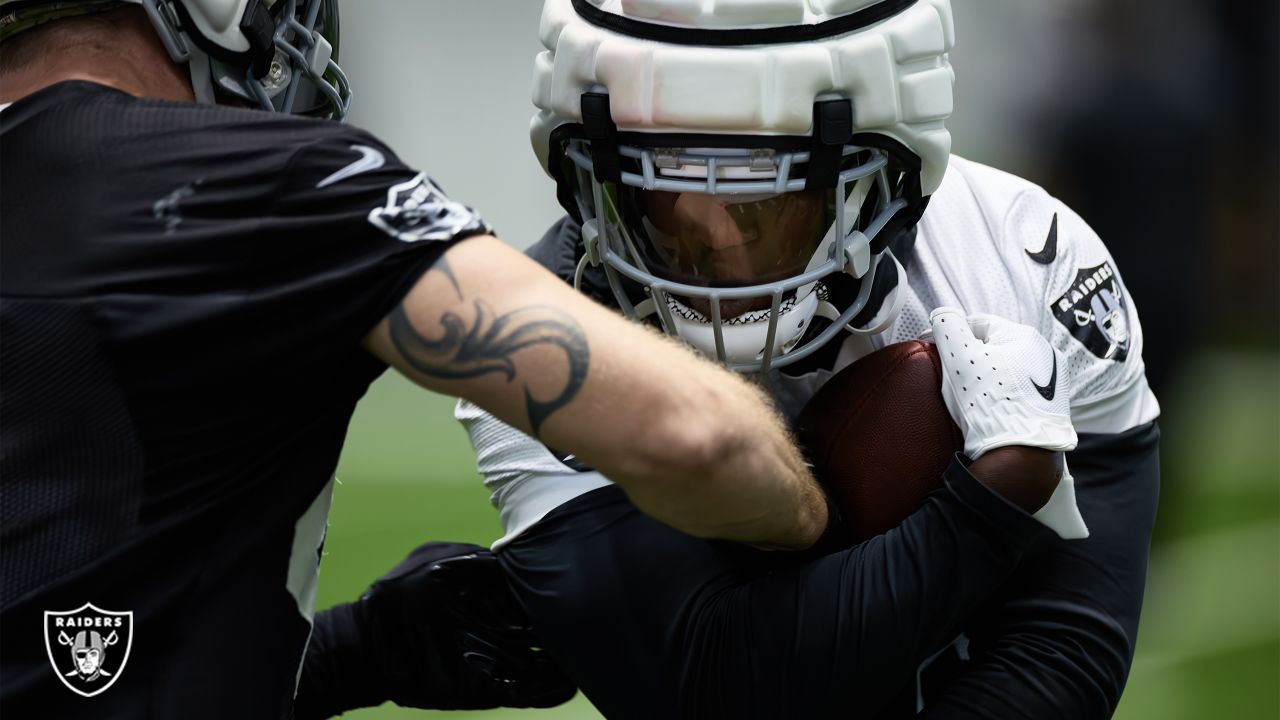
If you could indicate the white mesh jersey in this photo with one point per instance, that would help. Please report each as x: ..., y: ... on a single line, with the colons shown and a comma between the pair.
x: 994, y: 243
x: 989, y: 242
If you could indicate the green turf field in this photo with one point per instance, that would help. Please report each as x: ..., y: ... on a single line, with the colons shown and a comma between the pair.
x: 1210, y: 639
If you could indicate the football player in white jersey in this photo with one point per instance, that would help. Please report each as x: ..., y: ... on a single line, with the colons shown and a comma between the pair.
x: 772, y: 183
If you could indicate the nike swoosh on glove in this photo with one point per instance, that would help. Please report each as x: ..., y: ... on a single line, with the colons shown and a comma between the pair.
x: 1004, y: 384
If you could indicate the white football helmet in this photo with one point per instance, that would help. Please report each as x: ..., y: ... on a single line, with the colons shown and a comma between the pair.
x: 280, y: 55
x: 740, y: 167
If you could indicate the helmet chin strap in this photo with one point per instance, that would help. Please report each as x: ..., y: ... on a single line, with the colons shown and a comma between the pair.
x: 891, y: 306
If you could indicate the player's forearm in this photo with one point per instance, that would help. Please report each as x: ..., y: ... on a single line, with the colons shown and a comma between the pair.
x: 692, y: 444
x: 742, y: 478
x: 697, y: 447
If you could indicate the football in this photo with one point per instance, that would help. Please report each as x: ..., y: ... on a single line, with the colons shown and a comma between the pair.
x: 879, y: 435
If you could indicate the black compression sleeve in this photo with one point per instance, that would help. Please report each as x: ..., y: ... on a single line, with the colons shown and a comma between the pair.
x: 1058, y: 640
x: 653, y: 623
x: 337, y: 674
x: 848, y: 630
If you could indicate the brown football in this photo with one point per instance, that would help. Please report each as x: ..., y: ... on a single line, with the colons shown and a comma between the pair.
x: 879, y: 435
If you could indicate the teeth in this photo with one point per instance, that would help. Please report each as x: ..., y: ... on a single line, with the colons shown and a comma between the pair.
x: 747, y: 318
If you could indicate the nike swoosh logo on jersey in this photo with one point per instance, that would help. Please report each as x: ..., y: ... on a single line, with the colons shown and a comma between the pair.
x: 370, y: 159
x: 1048, y: 391
x: 1050, y: 251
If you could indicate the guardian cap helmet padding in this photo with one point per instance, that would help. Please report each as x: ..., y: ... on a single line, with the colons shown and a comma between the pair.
x: 739, y: 167
x: 280, y: 55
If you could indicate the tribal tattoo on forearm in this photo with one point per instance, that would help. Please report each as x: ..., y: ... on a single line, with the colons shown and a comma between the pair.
x: 488, y: 342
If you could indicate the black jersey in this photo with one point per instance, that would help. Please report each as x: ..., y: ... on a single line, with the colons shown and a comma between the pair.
x: 185, y: 288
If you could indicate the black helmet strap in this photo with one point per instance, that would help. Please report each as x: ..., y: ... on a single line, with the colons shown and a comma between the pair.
x: 832, y: 130
x: 598, y: 125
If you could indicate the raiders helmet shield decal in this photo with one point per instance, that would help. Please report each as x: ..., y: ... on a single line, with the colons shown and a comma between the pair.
x: 88, y: 647
x: 1093, y: 310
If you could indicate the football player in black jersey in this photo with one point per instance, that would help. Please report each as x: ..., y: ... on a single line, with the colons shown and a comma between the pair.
x: 195, y: 295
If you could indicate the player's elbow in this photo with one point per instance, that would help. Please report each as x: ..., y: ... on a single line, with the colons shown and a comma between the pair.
x: 1109, y: 678
x: 1090, y: 660
x: 1102, y: 661
x: 1091, y: 691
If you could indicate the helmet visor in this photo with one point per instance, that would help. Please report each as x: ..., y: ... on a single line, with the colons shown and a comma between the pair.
x: 725, y: 240
x: 711, y: 240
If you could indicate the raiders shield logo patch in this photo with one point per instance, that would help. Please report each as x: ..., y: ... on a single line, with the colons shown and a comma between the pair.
x: 88, y: 647
x: 418, y: 210
x: 1093, y: 310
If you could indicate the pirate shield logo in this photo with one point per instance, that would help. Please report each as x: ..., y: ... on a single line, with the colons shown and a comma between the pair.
x: 1093, y: 310
x: 418, y: 210
x: 88, y: 647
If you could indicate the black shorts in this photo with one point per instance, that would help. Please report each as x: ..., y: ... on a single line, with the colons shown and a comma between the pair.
x: 653, y: 623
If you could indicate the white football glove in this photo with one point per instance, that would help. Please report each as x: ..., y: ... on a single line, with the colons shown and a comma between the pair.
x: 1003, y: 385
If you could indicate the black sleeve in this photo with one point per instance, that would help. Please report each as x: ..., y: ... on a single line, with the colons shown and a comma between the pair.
x: 848, y: 630
x: 719, y: 630
x: 1058, y: 640
x: 350, y: 230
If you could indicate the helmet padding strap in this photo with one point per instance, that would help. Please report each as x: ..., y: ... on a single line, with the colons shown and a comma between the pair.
x: 597, y: 122
x: 832, y: 130
x: 888, y: 308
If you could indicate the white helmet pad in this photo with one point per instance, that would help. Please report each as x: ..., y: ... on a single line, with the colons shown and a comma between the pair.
x: 895, y: 72
x: 724, y: 105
